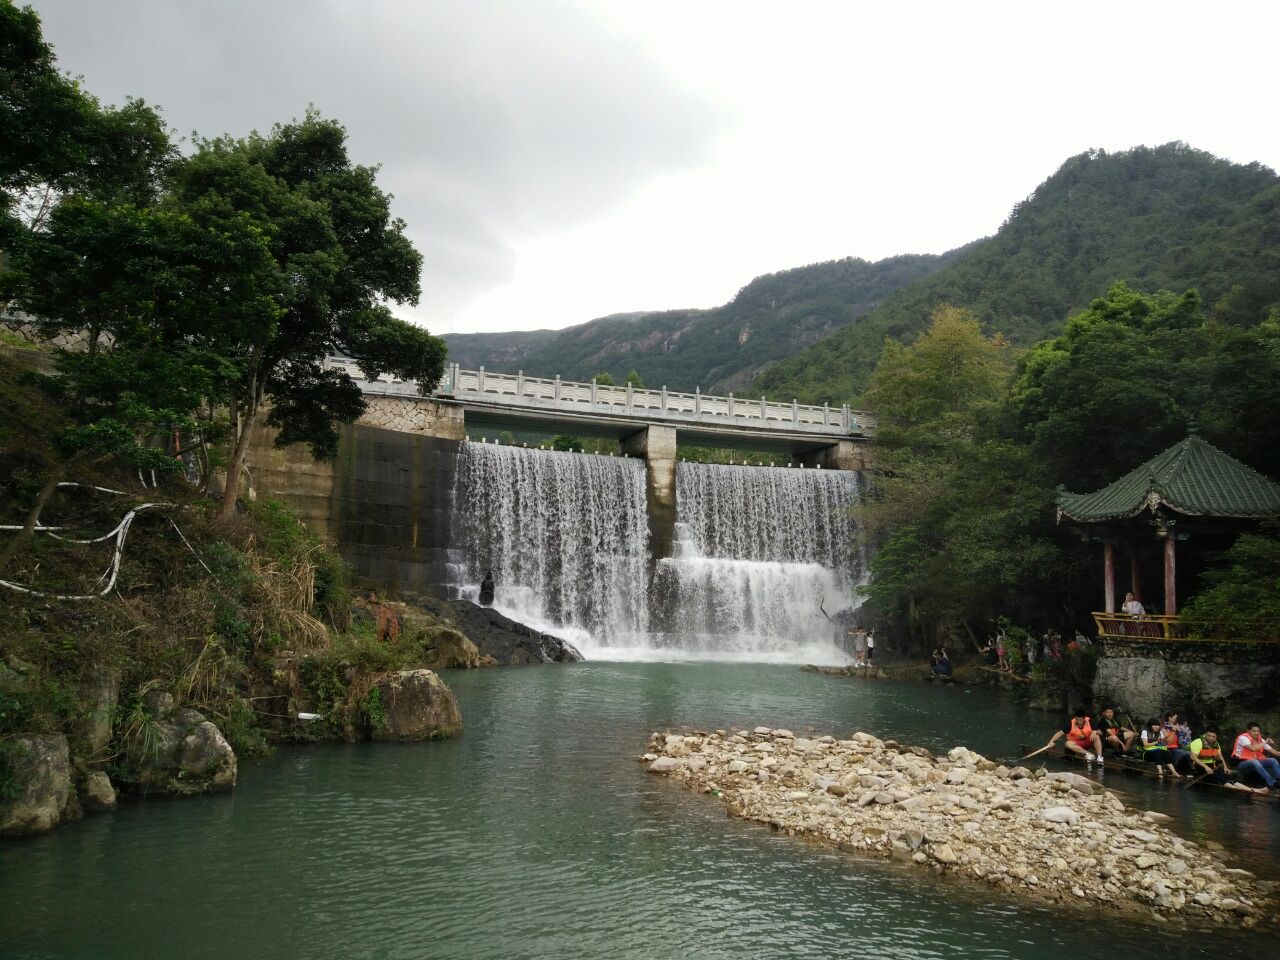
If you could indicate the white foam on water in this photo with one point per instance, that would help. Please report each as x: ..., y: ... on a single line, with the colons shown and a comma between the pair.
x: 764, y: 569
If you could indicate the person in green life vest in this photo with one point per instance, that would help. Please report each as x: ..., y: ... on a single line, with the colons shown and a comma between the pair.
x: 1208, y: 759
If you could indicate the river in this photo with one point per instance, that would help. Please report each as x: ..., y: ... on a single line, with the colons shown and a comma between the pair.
x: 536, y: 834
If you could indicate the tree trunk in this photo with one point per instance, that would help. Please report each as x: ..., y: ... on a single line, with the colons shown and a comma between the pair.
x: 227, y: 508
x: 23, y: 536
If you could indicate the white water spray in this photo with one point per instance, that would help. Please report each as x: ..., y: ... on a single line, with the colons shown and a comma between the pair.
x: 760, y: 553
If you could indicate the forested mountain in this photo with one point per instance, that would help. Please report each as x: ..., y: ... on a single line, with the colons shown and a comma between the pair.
x: 721, y: 349
x: 1168, y: 217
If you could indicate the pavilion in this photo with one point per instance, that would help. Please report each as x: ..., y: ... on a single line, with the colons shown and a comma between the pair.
x: 1191, y: 488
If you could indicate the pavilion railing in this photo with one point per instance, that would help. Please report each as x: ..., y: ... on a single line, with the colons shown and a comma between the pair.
x: 1124, y: 626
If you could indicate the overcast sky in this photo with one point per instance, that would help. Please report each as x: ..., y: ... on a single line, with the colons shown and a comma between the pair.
x: 558, y: 161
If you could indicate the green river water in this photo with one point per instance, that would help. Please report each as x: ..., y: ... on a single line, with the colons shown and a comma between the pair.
x: 536, y: 834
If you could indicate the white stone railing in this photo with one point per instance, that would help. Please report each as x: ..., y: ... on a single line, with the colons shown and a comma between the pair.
x: 569, y: 396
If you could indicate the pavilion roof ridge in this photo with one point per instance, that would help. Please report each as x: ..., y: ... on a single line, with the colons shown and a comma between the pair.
x: 1193, y: 478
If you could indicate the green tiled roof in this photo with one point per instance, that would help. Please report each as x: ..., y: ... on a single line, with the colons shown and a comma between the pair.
x: 1193, y: 478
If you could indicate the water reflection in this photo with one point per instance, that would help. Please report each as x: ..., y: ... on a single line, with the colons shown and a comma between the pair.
x: 537, y: 835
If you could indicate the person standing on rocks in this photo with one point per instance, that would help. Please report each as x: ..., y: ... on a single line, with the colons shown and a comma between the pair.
x: 871, y: 646
x: 486, y: 589
x: 859, y: 646
x: 1081, y: 737
x: 1251, y: 756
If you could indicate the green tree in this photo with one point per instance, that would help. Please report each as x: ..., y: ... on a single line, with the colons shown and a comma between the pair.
x: 633, y: 379
x: 950, y: 510
x: 58, y: 139
x: 563, y: 441
x: 604, y: 379
x: 1241, y: 593
x: 339, y: 257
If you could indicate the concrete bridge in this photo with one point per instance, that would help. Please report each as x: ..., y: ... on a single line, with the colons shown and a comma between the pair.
x: 812, y: 435
x: 646, y: 423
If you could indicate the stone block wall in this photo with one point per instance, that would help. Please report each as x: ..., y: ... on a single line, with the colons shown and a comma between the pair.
x: 409, y: 415
x: 1140, y: 673
x: 24, y: 329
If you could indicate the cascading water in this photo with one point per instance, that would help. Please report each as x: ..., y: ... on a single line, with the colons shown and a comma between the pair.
x: 565, y: 536
x: 765, y: 561
x: 760, y: 554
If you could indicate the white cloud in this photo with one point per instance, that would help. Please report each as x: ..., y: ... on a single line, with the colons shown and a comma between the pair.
x: 559, y: 161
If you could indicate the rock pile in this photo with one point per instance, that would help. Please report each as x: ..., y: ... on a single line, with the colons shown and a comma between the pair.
x: 1054, y: 836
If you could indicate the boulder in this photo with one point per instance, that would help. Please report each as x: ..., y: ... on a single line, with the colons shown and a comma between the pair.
x: 178, y: 750
x: 509, y: 642
x: 99, y: 692
x: 97, y: 793
x: 665, y: 765
x: 41, y: 797
x: 452, y: 649
x: 416, y: 705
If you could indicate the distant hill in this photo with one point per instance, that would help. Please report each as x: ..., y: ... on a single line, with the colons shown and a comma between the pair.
x: 719, y: 350
x: 1168, y: 217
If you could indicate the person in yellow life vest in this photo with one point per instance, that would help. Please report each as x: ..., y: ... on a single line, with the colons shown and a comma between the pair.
x: 1081, y: 737
x: 1207, y: 756
x: 1251, y: 756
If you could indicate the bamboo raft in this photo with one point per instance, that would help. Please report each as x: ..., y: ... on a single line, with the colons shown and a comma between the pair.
x: 1143, y: 769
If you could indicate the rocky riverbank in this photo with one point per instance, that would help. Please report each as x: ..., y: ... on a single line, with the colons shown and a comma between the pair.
x: 1051, y: 836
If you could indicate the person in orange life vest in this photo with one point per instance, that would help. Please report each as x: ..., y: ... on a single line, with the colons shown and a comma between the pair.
x: 1081, y: 737
x: 1250, y: 754
x: 1114, y: 735
x: 1176, y: 737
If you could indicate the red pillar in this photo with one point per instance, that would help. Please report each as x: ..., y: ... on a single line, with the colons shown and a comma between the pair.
x: 1135, y: 577
x: 1170, y: 584
x: 1109, y: 576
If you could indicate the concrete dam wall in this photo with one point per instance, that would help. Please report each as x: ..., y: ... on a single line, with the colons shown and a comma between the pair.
x: 385, y: 500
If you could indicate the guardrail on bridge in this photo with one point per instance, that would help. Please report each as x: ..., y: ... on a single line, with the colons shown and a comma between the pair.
x: 571, y: 396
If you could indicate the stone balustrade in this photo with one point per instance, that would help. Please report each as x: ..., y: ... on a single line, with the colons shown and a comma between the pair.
x: 568, y: 396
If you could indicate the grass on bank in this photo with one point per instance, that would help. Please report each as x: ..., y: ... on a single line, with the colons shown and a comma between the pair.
x: 247, y: 622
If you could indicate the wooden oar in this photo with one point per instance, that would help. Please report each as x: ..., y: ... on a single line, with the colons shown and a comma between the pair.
x: 1199, y: 778
x: 1035, y: 752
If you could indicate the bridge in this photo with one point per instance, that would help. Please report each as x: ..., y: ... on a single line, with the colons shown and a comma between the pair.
x: 501, y: 401
x: 646, y: 423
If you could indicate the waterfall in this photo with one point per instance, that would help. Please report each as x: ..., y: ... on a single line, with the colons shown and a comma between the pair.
x: 761, y: 552
x: 565, y: 535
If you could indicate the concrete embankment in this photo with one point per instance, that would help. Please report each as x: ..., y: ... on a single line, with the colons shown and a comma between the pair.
x: 1051, y: 836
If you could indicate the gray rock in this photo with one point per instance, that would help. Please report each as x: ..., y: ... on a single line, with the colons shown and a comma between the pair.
x: 40, y: 775
x: 100, y: 694
x: 1060, y: 815
x: 665, y: 765
x: 508, y: 641
x: 179, y: 751
x: 913, y: 837
x: 158, y: 703
x: 944, y: 854
x: 416, y: 705
x: 97, y: 793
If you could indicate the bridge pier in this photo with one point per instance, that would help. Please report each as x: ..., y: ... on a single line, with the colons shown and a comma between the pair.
x: 841, y: 455
x: 657, y: 445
